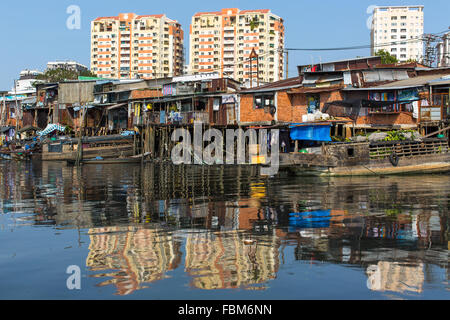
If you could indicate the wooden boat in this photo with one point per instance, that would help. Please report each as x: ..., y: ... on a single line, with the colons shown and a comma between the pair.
x: 106, y: 147
x: 134, y: 159
x: 380, y: 158
x: 107, y: 161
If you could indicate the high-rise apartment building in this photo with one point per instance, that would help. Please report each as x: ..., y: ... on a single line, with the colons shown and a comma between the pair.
x: 130, y: 46
x: 398, y: 30
x: 223, y: 42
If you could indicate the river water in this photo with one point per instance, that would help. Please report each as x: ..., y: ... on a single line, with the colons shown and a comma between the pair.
x: 167, y: 232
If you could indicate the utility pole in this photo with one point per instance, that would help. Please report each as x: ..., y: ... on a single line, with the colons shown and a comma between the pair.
x: 430, y: 49
x: 3, y: 115
x: 80, y: 134
x: 253, y: 55
x: 17, y: 107
x: 287, y: 63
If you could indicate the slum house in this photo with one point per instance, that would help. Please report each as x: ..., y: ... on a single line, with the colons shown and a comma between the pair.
x: 11, y: 111
x: 380, y: 115
x: 7, y: 131
x: 322, y: 87
x: 290, y: 101
x: 404, y: 104
x: 62, y: 103
x: 351, y: 73
x: 298, y: 100
x: 206, y: 99
x: 43, y: 112
x: 75, y: 107
x: 116, y: 98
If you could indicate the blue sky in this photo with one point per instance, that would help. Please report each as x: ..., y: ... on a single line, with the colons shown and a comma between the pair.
x: 35, y: 32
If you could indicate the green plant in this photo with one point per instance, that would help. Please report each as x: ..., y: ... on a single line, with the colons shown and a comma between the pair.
x: 254, y: 23
x: 395, y: 136
x: 386, y: 57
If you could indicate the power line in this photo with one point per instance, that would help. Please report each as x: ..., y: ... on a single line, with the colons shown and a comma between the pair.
x: 386, y: 44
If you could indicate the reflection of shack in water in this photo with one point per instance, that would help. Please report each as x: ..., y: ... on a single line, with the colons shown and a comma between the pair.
x: 139, y: 255
x: 230, y: 260
x: 394, y: 276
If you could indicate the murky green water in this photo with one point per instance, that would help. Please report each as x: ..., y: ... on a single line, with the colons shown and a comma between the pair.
x: 164, y: 232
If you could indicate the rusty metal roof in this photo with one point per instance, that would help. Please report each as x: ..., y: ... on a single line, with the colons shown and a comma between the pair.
x: 415, y: 82
x: 276, y: 86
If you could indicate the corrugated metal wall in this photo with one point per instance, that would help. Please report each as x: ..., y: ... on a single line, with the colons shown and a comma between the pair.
x: 73, y: 92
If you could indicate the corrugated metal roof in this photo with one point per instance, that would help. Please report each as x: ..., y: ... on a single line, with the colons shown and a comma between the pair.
x: 343, y: 60
x: 441, y: 81
x: 311, y: 79
x: 276, y: 86
x: 419, y: 81
x: 384, y: 75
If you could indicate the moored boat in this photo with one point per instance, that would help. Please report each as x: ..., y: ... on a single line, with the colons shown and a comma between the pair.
x: 106, y: 147
x: 364, y: 159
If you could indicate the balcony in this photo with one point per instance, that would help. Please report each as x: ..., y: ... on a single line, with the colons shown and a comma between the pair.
x: 439, y: 109
x: 190, y: 117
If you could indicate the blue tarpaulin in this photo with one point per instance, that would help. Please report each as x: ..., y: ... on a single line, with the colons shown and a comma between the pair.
x: 311, y: 132
x: 312, y: 219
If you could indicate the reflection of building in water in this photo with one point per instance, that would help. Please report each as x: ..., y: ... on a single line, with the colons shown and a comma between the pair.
x: 226, y: 260
x: 139, y: 256
x: 394, y: 276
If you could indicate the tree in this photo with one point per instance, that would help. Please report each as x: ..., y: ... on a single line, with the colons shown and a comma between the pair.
x: 254, y: 23
x: 386, y: 57
x: 61, y: 74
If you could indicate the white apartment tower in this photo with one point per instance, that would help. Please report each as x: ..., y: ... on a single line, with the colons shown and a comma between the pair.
x: 398, y: 30
x: 130, y: 46
x: 223, y: 41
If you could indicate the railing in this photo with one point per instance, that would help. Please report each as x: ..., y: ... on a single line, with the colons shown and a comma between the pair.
x: 382, y: 150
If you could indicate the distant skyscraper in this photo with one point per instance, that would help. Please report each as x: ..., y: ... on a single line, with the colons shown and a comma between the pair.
x: 403, y: 27
x: 131, y: 46
x: 223, y: 41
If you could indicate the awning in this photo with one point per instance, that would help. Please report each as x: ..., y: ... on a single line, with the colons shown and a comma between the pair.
x: 79, y: 108
x: 116, y: 106
x: 29, y: 128
x: 50, y: 128
x: 5, y: 129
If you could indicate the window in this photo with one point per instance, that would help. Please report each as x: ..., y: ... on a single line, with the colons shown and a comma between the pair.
x: 262, y: 101
x: 313, y: 103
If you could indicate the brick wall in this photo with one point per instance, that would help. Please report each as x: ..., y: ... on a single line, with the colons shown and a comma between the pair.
x: 291, y: 107
x: 387, y: 119
x: 249, y: 114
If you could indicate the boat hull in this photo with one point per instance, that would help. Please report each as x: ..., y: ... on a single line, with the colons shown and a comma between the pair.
x: 416, y: 165
x: 107, y: 161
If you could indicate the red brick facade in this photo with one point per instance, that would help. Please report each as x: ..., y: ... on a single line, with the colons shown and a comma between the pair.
x: 290, y: 106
